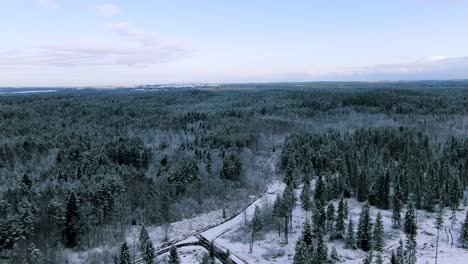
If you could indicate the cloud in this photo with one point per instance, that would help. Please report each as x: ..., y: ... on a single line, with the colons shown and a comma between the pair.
x: 138, y: 48
x: 106, y: 10
x: 49, y: 4
x: 432, y: 68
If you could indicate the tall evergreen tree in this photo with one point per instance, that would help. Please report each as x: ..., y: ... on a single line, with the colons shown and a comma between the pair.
x: 72, y: 221
x: 350, y: 241
x: 319, y: 194
x: 439, y: 224
x: 307, y: 234
x: 173, y: 256
x: 305, y: 198
x: 143, y: 238
x: 301, y: 255
x: 411, y: 231
x: 340, y: 223
x: 364, y: 234
x: 463, y: 240
x: 148, y: 253
x: 410, y: 220
x: 321, y: 252
x: 330, y: 217
x: 397, y: 203
x: 124, y: 254
x: 378, y: 233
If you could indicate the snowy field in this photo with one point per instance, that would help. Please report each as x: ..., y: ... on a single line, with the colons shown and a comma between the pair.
x: 271, y: 249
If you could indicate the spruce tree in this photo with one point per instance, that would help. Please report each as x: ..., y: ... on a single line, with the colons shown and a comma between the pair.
x: 439, y: 224
x: 300, y: 255
x: 148, y: 253
x: 396, y: 216
x: 410, y: 220
x: 340, y: 223
x: 72, y: 221
x: 463, y: 240
x: 364, y: 234
x: 305, y: 198
x: 143, y: 238
x: 321, y: 252
x: 307, y: 234
x: 173, y: 257
x: 378, y: 233
x: 350, y: 241
x: 411, y: 231
x: 124, y: 254
x: 330, y: 217
x: 319, y: 195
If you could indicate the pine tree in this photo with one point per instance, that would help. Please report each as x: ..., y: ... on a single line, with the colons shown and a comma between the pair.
x: 378, y: 233
x: 148, y: 253
x: 396, y: 216
x: 307, y: 234
x: 345, y: 208
x: 410, y: 220
x: 439, y: 225
x: 256, y: 225
x: 300, y: 255
x: 330, y: 217
x: 143, y: 238
x: 340, y: 223
x: 411, y: 231
x: 350, y: 241
x: 364, y: 234
x: 321, y: 252
x: 334, y: 255
x: 305, y: 199
x: 173, y: 257
x: 463, y: 240
x: 276, y: 212
x: 319, y: 195
x: 124, y: 254
x: 72, y: 221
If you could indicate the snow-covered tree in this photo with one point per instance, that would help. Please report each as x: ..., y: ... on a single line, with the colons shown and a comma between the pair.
x: 340, y: 220
x: 330, y: 217
x: 124, y: 254
x: 378, y: 233
x: 305, y: 199
x: 439, y: 224
x: 364, y: 234
x: 463, y: 240
x: 72, y: 221
x: 173, y: 256
x: 148, y: 253
x: 350, y: 241
x: 143, y: 238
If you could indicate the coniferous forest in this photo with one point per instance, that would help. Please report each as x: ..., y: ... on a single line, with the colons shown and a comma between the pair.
x: 356, y: 167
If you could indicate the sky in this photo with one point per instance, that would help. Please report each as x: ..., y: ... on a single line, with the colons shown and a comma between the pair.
x: 124, y: 42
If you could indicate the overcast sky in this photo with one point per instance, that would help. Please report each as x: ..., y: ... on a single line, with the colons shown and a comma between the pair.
x: 123, y: 42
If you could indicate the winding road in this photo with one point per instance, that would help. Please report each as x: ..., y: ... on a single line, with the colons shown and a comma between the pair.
x: 207, y: 238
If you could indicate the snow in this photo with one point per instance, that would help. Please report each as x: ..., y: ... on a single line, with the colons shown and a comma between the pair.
x: 271, y: 248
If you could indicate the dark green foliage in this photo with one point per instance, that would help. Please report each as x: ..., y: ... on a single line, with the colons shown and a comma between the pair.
x: 124, y: 254
x: 463, y: 240
x: 148, y: 252
x: 364, y: 233
x: 378, y: 233
x: 232, y: 168
x: 340, y: 220
x: 410, y: 220
x: 72, y: 221
x: 350, y: 240
x: 173, y: 256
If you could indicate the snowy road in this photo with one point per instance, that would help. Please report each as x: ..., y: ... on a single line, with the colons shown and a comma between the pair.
x: 207, y: 238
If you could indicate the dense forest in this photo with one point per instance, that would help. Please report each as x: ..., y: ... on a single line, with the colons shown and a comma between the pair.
x: 78, y: 168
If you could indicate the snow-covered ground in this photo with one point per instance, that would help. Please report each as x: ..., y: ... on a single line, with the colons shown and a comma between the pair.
x: 271, y: 248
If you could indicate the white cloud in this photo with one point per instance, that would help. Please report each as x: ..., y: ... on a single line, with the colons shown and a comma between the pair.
x: 138, y: 48
x: 107, y: 10
x: 50, y: 4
